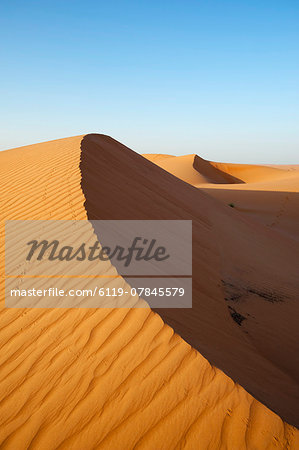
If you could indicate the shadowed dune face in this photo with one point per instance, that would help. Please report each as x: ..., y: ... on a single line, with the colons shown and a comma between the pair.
x: 214, y: 172
x: 121, y: 378
x: 278, y: 210
x: 251, y: 339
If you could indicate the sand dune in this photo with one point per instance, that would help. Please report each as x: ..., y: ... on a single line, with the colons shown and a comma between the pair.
x: 221, y: 173
x: 128, y: 378
x: 192, y: 169
x: 250, y: 173
x: 268, y: 194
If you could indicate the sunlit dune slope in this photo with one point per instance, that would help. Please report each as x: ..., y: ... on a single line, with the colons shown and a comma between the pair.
x: 216, y: 172
x: 268, y: 194
x: 250, y: 173
x: 192, y: 169
x: 121, y: 378
x: 180, y: 166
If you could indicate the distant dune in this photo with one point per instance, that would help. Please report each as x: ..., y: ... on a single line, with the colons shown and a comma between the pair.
x: 268, y: 194
x: 220, y: 375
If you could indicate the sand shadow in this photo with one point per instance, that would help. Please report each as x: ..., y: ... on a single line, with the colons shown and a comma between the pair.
x: 119, y: 184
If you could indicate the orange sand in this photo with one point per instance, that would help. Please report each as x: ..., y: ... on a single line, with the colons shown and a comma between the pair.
x: 268, y: 194
x: 122, y: 378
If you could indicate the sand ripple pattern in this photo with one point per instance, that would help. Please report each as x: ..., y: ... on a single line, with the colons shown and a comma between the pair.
x: 111, y: 379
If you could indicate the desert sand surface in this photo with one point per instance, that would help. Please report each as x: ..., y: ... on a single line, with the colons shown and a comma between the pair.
x: 267, y: 193
x: 223, y: 374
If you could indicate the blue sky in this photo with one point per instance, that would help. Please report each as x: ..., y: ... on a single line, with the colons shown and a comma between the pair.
x: 216, y: 78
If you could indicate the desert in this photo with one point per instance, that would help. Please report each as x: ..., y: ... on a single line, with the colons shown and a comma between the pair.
x: 222, y: 374
x: 149, y: 225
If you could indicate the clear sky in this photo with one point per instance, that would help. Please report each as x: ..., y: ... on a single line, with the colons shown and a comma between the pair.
x: 216, y: 78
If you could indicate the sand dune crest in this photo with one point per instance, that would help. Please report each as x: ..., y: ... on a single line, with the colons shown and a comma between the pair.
x: 122, y: 378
